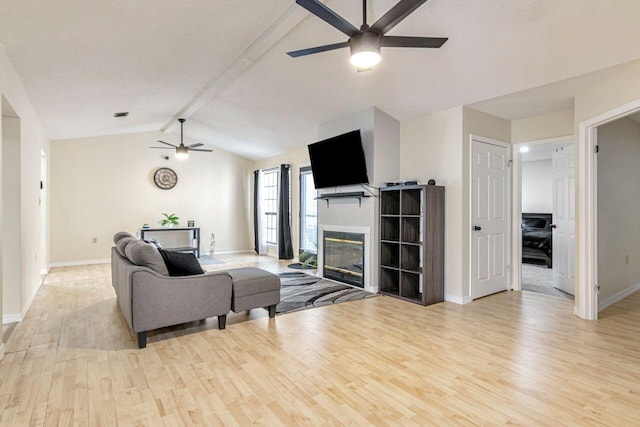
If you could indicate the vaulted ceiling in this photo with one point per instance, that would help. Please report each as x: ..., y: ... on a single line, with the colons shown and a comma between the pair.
x: 222, y: 63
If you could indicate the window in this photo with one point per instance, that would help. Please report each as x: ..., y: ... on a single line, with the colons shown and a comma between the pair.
x: 308, y: 212
x: 269, y: 202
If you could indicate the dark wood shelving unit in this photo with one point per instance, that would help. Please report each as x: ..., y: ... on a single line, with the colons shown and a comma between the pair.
x: 412, y: 243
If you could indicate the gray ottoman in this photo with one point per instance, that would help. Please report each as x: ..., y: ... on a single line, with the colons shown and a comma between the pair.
x: 253, y: 288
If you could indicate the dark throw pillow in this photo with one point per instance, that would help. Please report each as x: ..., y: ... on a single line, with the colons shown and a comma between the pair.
x: 181, y: 263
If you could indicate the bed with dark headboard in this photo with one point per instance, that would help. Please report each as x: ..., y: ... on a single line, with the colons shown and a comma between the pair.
x: 536, y: 237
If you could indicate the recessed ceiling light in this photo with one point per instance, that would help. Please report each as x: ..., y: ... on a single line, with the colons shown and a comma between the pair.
x: 122, y: 114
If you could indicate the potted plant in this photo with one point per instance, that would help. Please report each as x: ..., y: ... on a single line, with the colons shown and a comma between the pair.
x: 169, y: 220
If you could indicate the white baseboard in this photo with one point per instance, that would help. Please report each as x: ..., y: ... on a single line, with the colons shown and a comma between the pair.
x: 11, y: 318
x: 83, y: 262
x: 2, y: 350
x: 618, y: 297
x: 44, y: 271
x: 457, y: 299
x: 230, y: 251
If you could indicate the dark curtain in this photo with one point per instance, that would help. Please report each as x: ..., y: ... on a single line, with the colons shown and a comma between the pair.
x: 256, y: 210
x: 285, y: 244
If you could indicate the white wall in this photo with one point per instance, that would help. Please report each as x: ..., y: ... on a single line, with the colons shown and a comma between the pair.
x: 537, y: 187
x: 618, y: 207
x: 32, y: 141
x: 103, y: 185
x: 11, y: 221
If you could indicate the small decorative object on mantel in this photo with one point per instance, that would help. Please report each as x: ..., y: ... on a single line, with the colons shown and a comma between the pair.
x: 431, y: 182
x: 169, y: 220
x: 191, y: 223
x: 165, y: 178
x: 145, y: 226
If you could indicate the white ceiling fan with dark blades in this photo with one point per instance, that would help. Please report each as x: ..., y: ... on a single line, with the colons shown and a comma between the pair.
x: 182, y: 151
x: 365, y: 43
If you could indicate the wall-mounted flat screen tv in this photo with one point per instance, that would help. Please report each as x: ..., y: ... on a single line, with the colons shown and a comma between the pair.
x: 338, y: 161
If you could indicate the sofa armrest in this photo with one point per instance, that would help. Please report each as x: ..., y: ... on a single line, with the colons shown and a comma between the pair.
x: 158, y: 301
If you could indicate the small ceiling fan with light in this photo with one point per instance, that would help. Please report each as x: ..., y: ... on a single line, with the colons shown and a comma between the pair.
x: 365, y: 43
x: 182, y: 151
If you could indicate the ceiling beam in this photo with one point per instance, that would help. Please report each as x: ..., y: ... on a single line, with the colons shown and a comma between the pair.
x: 291, y: 17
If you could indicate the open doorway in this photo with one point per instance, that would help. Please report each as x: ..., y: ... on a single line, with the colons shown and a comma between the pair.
x: 546, y: 208
x: 44, y: 229
x: 11, y: 251
x: 618, y: 207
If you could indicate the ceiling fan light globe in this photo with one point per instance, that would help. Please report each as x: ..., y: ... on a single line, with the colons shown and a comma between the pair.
x: 182, y: 153
x: 365, y: 60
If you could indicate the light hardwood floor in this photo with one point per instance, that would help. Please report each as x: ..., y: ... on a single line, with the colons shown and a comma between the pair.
x: 513, y: 358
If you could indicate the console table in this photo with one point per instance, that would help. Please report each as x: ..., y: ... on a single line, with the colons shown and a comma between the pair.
x: 195, y: 237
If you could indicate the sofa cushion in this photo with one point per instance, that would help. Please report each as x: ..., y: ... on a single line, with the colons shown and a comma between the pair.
x: 120, y: 235
x: 181, y: 263
x: 146, y: 255
x: 123, y: 243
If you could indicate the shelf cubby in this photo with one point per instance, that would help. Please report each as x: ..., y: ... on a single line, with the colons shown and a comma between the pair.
x: 411, y: 229
x: 410, y: 286
x: 390, y: 228
x: 390, y: 203
x: 390, y: 281
x: 411, y: 256
x: 412, y: 201
x: 390, y: 254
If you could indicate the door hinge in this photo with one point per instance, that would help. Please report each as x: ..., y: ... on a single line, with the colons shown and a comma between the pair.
x: 597, y: 289
x: 597, y: 149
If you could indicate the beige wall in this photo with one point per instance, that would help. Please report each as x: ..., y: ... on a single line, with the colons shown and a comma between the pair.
x: 104, y: 184
x: 296, y: 158
x: 537, y: 187
x: 544, y: 126
x: 32, y: 141
x: 431, y: 147
x: 618, y: 207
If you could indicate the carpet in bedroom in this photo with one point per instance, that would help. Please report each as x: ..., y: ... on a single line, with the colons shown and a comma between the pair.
x: 539, y: 278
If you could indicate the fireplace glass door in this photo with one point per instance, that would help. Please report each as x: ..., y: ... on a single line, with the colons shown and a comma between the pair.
x: 344, y: 257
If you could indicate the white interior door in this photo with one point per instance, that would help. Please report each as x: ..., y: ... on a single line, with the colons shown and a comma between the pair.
x: 564, y: 214
x: 489, y: 216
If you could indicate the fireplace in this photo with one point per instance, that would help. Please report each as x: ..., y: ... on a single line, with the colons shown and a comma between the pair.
x: 343, y: 258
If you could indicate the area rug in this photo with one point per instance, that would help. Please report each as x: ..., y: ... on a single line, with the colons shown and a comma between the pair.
x: 539, y: 278
x: 301, y: 291
x: 207, y: 260
x: 301, y: 266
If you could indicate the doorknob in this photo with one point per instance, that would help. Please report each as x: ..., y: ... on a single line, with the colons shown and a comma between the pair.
x: 553, y: 225
x: 477, y: 228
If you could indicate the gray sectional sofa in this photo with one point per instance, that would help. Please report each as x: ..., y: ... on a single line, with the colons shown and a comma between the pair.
x: 150, y: 299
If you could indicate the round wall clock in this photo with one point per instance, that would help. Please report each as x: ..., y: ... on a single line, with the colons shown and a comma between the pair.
x: 165, y: 178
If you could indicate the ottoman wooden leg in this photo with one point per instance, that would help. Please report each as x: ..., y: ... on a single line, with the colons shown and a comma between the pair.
x: 272, y: 311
